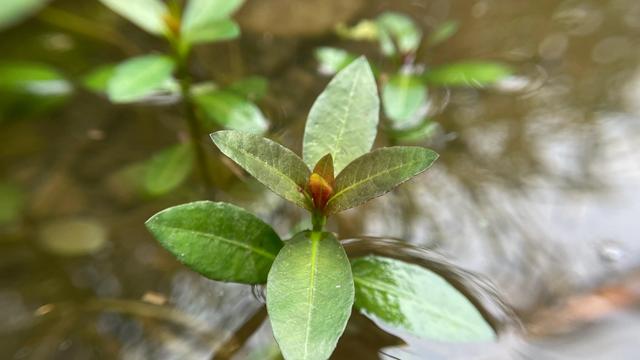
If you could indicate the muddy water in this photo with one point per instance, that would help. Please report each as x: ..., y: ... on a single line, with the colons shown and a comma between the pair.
x: 536, y: 190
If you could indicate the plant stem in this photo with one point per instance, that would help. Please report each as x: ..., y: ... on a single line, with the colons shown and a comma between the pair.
x: 318, y: 220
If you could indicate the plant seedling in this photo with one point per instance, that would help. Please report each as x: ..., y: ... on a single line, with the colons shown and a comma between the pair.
x: 311, y: 284
x: 405, y: 84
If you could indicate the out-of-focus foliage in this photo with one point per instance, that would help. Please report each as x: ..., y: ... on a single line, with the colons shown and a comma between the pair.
x: 14, y: 11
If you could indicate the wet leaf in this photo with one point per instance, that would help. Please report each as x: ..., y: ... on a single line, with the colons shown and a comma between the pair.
x: 14, y: 11
x: 468, y: 73
x: 73, y: 237
x: 231, y: 111
x: 277, y: 167
x: 415, y: 299
x: 331, y: 60
x: 404, y: 98
x: 309, y: 295
x: 443, y: 32
x: 147, y: 14
x: 343, y: 121
x: 208, y: 20
x: 219, y: 240
x: 139, y: 77
x: 33, y: 79
x: 377, y: 173
x: 12, y: 203
x: 168, y: 169
x: 398, y: 33
x: 252, y: 88
x: 98, y: 79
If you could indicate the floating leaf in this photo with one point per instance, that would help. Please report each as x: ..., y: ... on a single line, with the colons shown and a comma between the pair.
x: 398, y: 33
x: 331, y: 60
x: 147, y: 14
x: 14, y: 11
x: 231, y: 111
x: 413, y: 298
x: 376, y: 173
x: 98, y: 79
x: 309, y: 295
x: 139, y: 77
x: 12, y: 203
x: 208, y: 20
x: 277, y: 167
x: 468, y: 73
x: 343, y: 121
x: 404, y: 98
x: 443, y: 32
x: 220, y: 241
x: 252, y: 88
x: 168, y: 169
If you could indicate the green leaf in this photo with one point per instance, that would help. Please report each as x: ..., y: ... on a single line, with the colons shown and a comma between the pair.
x: 443, y: 32
x: 98, y: 79
x: 398, y: 33
x: 208, y: 20
x: 230, y: 111
x: 415, y: 299
x: 343, y: 121
x: 277, y: 167
x: 168, y: 169
x: 331, y: 60
x: 421, y: 132
x: 252, y: 88
x: 468, y: 73
x: 12, y: 204
x: 309, y: 295
x: 404, y: 98
x: 33, y: 79
x: 147, y: 14
x: 376, y: 173
x: 139, y: 77
x: 14, y: 11
x: 220, y: 241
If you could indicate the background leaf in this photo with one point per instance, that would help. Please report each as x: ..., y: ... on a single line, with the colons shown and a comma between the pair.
x: 309, y: 295
x: 12, y: 203
x: 376, y: 173
x: 343, y: 121
x: 33, y: 79
x: 398, y: 33
x: 443, y: 32
x: 468, y: 73
x: 208, y: 20
x: 331, y: 60
x: 168, y: 169
x: 252, y: 88
x: 277, y: 167
x: 413, y: 298
x: 230, y: 111
x: 147, y: 14
x: 220, y: 241
x: 98, y: 79
x: 139, y: 77
x: 13, y: 11
x: 404, y: 98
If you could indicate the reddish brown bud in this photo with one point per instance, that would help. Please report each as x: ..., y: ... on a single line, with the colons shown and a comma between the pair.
x: 320, y: 190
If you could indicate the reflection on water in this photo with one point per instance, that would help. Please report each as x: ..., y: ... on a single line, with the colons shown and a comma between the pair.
x: 537, y: 189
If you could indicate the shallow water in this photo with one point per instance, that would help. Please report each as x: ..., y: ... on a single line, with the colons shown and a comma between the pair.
x: 536, y: 191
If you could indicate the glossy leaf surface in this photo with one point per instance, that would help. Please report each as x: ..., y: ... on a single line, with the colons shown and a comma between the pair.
x: 377, y: 173
x: 277, y: 167
x: 139, y: 77
x: 13, y: 11
x: 404, y: 98
x: 219, y: 240
x: 230, y: 111
x: 331, y: 60
x: 168, y: 169
x: 309, y: 295
x: 147, y: 14
x: 415, y: 299
x: 470, y: 73
x: 343, y: 121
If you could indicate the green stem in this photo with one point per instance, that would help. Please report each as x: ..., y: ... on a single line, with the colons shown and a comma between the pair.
x: 318, y: 220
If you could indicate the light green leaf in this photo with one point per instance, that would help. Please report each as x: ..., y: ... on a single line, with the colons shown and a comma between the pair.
x: 220, y: 30
x: 220, y: 241
x: 277, y: 167
x: 12, y: 203
x: 14, y: 11
x: 376, y: 173
x: 443, y: 32
x: 139, y: 77
x: 147, y: 14
x: 344, y: 119
x: 422, y: 132
x: 398, y: 33
x: 33, y: 79
x: 168, y: 169
x: 98, y: 79
x: 415, y: 299
x: 404, y: 98
x: 468, y: 73
x: 208, y: 20
x: 253, y: 88
x: 331, y: 60
x: 231, y: 111
x: 309, y: 296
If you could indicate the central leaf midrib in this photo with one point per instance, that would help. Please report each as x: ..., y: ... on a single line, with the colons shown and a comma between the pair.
x: 223, y: 239
x: 311, y: 292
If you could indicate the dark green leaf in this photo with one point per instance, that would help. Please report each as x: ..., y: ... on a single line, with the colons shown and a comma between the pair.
x: 147, y: 14
x: 221, y: 241
x: 468, y: 73
x: 139, y: 77
x: 443, y: 32
x: 98, y: 79
x: 230, y: 111
x: 398, y: 33
x: 331, y: 60
x: 309, y: 295
x: 413, y: 298
x: 404, y: 98
x: 277, y: 167
x: 343, y: 121
x: 168, y: 169
x: 376, y: 173
x: 208, y: 20
x: 13, y: 11
x: 252, y: 88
